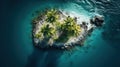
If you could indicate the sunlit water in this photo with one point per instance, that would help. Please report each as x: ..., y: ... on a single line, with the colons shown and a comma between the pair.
x: 101, y: 48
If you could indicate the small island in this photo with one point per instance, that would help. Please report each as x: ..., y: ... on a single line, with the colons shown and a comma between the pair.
x: 54, y: 28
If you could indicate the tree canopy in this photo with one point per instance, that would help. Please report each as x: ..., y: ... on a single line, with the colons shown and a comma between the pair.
x: 52, y: 16
x: 70, y: 27
x: 53, y: 26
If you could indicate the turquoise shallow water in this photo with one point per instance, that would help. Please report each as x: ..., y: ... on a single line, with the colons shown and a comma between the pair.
x: 100, y: 50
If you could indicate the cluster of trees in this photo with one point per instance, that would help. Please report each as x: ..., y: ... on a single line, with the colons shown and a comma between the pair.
x: 68, y: 27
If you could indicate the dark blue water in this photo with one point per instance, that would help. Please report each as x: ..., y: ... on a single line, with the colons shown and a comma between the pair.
x: 102, y: 49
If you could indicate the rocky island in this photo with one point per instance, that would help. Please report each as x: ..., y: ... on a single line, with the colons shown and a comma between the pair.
x: 57, y: 29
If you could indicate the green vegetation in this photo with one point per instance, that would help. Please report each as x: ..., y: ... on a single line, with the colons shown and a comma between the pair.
x: 46, y: 31
x: 59, y: 31
x: 52, y: 16
x: 70, y: 27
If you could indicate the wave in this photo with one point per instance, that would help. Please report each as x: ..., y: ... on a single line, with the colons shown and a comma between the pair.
x: 101, y: 6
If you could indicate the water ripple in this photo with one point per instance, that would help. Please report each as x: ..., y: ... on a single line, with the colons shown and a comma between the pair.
x: 102, y: 6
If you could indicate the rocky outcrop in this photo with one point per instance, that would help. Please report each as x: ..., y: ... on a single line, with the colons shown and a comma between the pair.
x: 87, y: 29
x: 97, y: 21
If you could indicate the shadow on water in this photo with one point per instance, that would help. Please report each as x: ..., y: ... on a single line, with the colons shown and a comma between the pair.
x: 43, y: 58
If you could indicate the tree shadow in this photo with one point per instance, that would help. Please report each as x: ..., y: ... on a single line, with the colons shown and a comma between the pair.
x: 44, y: 57
x: 62, y: 38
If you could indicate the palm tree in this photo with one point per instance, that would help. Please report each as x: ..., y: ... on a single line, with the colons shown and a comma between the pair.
x: 76, y: 30
x: 52, y: 16
x: 70, y: 27
x: 48, y: 31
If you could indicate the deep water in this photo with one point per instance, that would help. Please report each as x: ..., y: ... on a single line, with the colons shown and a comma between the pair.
x: 102, y: 48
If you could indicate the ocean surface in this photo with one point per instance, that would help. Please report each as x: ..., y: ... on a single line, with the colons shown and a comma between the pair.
x: 101, y: 49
